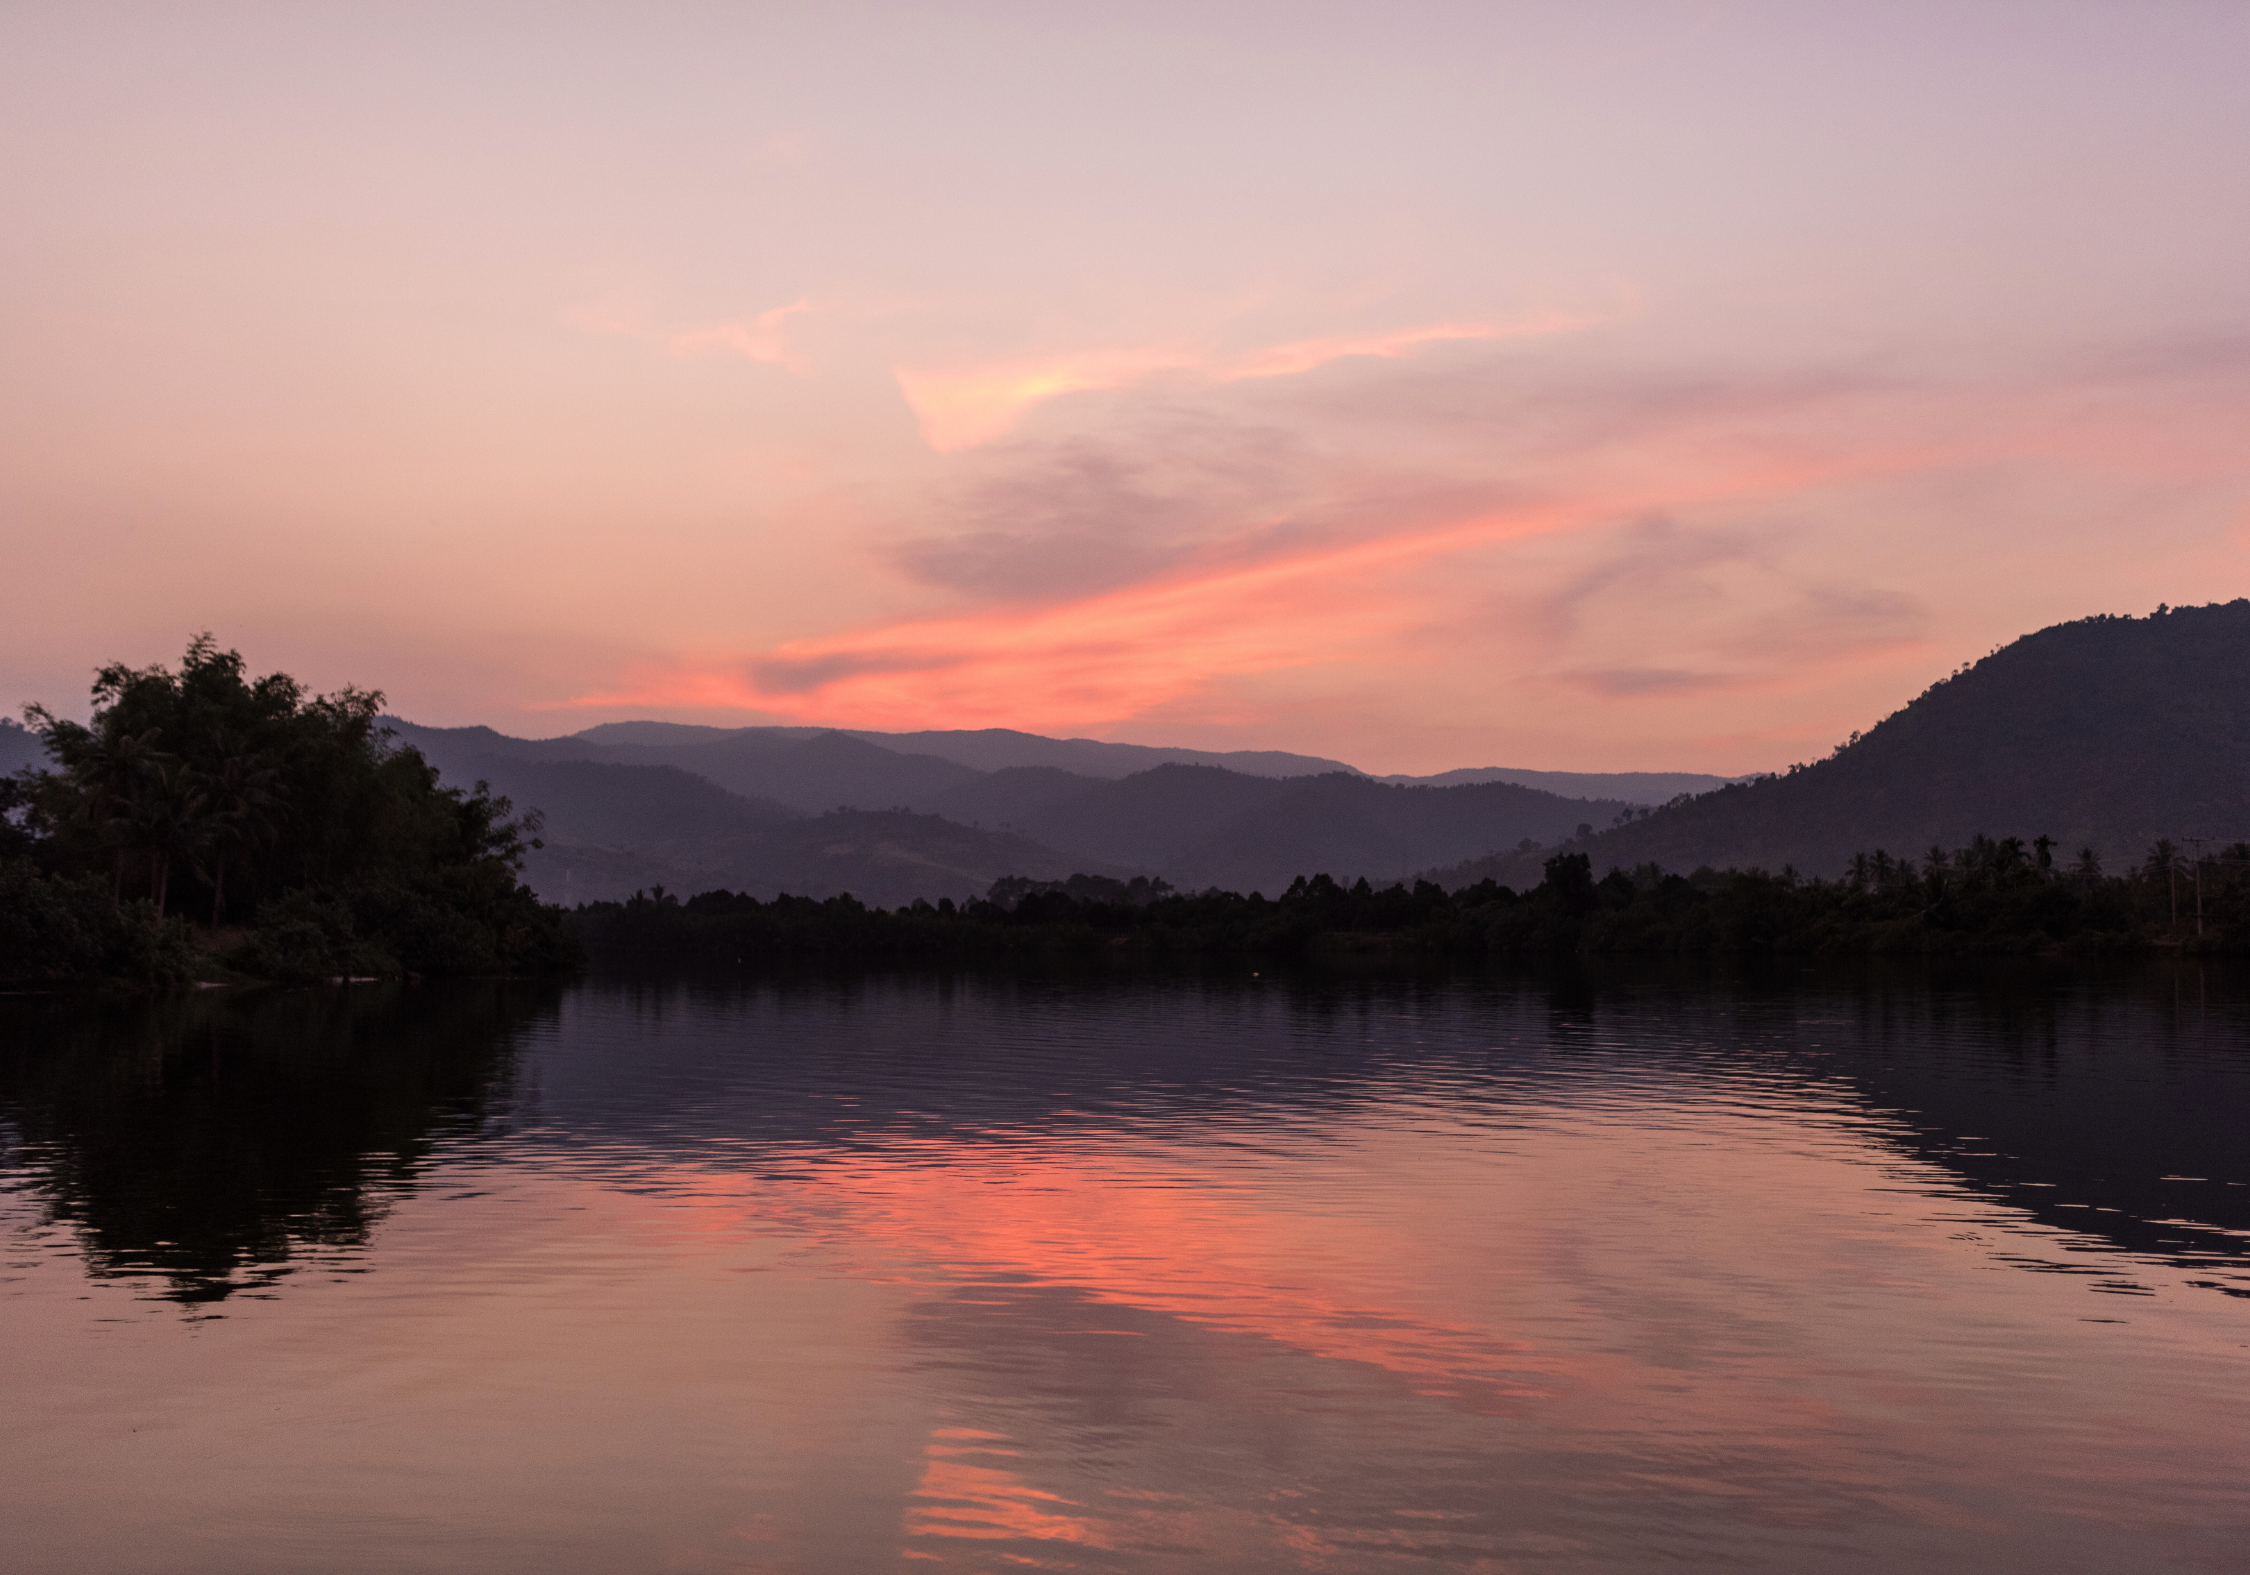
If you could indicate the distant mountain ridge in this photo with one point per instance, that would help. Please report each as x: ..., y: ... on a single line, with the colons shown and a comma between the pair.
x: 1003, y: 749
x: 616, y: 826
x: 2106, y: 733
x: 1202, y: 826
x: 1634, y: 787
x: 989, y: 749
x: 730, y: 807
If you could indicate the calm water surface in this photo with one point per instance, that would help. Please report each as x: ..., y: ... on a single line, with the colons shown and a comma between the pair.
x: 991, y: 1274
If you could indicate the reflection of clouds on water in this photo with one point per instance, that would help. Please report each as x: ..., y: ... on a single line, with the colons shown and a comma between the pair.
x: 1072, y: 1275
x: 1410, y: 1334
x: 2036, y: 1093
x: 217, y: 1142
x: 970, y: 1489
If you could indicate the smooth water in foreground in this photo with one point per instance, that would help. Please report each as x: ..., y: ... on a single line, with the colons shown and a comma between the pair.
x: 988, y: 1274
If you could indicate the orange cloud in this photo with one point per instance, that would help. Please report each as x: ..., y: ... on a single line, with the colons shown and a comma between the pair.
x: 962, y: 406
x: 1305, y: 354
x: 1104, y: 658
x: 1092, y: 660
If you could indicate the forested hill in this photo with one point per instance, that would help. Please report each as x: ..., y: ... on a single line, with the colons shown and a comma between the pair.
x: 2105, y: 733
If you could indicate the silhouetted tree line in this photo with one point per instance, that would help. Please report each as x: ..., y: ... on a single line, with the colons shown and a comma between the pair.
x: 287, y: 824
x: 1991, y: 898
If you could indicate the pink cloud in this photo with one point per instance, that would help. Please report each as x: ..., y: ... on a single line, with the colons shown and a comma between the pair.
x: 1090, y: 660
x: 964, y: 405
x: 1658, y: 557
x: 760, y: 338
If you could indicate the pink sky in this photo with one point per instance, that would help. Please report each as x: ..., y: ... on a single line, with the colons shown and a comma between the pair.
x: 1663, y: 385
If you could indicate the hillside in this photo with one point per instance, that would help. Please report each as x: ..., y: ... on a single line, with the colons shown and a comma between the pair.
x: 2106, y: 733
x: 1199, y: 826
x: 807, y: 770
x: 614, y: 828
x: 886, y: 858
x: 710, y: 808
x: 979, y: 749
x: 660, y: 808
x: 1633, y: 787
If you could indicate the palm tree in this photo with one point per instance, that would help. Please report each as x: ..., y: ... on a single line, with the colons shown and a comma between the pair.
x: 166, y: 817
x: 241, y: 800
x: 106, y: 772
x: 2164, y: 860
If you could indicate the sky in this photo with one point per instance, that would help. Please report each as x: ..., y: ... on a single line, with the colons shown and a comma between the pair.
x: 1662, y: 385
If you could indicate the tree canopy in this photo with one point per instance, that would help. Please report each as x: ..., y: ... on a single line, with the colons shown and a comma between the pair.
x: 290, y: 823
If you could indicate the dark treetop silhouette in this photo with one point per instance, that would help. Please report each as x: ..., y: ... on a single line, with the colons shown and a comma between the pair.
x: 290, y: 822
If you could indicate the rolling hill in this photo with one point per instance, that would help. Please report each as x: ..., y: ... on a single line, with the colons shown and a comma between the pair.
x: 885, y: 858
x: 1200, y: 826
x: 2106, y: 733
x: 613, y: 828
x: 725, y: 807
x: 808, y: 770
x: 1633, y: 787
x: 984, y: 749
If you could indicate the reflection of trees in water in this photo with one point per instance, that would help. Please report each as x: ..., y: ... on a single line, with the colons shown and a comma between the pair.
x: 216, y: 1140
x: 2069, y: 1091
x: 2083, y: 1096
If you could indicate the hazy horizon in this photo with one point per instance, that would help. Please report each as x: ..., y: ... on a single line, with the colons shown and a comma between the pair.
x: 815, y: 727
x: 1677, y: 388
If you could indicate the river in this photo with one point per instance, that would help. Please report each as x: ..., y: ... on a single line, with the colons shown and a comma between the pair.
x: 1795, y: 1272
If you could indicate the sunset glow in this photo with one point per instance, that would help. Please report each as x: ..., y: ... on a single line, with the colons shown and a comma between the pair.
x: 1454, y: 388
x: 1077, y: 665
x: 963, y: 407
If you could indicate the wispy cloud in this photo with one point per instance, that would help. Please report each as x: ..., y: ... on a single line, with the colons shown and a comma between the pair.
x: 1636, y: 682
x: 1652, y: 548
x: 1089, y: 513
x: 764, y: 337
x: 1089, y: 660
x: 961, y: 406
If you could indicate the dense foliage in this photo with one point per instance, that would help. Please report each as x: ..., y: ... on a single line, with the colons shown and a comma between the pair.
x: 286, y: 822
x: 1989, y: 898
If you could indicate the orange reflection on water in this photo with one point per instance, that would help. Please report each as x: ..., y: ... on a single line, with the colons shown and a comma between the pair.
x: 1221, y: 1260
x: 962, y: 1494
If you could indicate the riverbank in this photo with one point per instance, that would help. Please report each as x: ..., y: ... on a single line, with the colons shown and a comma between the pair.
x: 1992, y: 899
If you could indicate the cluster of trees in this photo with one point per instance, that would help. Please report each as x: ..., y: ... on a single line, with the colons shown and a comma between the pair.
x: 1989, y: 898
x: 307, y: 844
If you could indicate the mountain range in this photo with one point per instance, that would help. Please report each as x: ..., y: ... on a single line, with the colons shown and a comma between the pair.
x: 892, y: 817
x: 2104, y: 734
